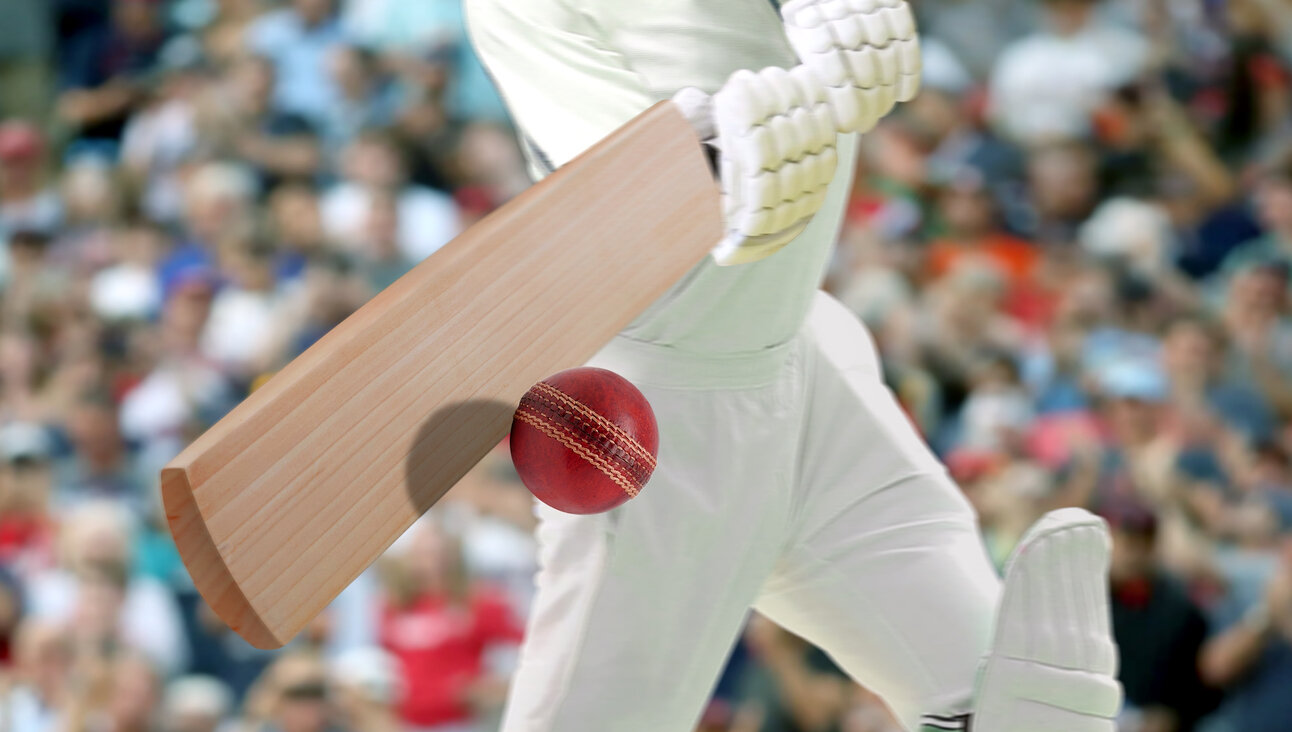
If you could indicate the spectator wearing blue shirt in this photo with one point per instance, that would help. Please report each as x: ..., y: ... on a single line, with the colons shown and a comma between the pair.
x: 1191, y: 356
x: 300, y: 40
x: 1251, y: 654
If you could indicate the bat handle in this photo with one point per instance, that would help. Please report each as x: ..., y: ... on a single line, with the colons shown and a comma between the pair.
x: 697, y: 107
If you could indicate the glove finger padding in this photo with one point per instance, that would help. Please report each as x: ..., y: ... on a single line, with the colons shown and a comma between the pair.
x: 777, y: 144
x: 865, y: 52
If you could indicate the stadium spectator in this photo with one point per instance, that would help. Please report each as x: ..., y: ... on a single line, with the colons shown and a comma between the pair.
x: 196, y: 704
x: 1158, y: 628
x: 373, y: 163
x: 368, y: 689
x: 241, y: 122
x: 107, y: 71
x: 299, y: 40
x: 365, y: 97
x: 1090, y: 55
x: 43, y: 661
x: 1252, y: 652
x: 1273, y: 200
x: 95, y: 591
x: 443, y: 631
x: 26, y: 39
x: 26, y: 202
x: 292, y: 696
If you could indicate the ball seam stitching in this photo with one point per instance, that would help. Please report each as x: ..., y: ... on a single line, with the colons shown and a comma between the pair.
x: 560, y: 433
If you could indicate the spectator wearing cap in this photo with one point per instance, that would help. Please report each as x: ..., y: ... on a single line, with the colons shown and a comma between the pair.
x: 299, y: 40
x: 107, y: 71
x: 196, y: 704
x: 182, y: 392
x: 1250, y: 653
x: 1131, y: 235
x: 1135, y: 456
x: 26, y: 203
x: 1130, y: 327
x: 368, y: 689
x: 1159, y: 630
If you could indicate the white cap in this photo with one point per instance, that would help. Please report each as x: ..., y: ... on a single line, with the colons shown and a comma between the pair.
x: 371, y: 670
x: 198, y: 696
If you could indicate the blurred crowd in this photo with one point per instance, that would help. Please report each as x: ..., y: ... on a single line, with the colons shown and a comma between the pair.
x: 1074, y: 249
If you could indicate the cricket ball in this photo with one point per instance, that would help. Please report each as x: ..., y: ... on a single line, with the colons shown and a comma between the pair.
x: 584, y: 440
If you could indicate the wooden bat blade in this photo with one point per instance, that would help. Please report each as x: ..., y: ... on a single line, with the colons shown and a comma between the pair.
x: 281, y: 504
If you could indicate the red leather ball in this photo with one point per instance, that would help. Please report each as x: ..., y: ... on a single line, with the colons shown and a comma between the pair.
x: 584, y: 440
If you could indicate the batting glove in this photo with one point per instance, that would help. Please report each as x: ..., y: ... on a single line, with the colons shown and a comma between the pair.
x: 865, y: 53
x: 775, y: 136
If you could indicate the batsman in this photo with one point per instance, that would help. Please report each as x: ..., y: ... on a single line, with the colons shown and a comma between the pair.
x: 789, y: 479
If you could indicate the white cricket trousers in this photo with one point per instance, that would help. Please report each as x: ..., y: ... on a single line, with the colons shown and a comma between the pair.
x: 790, y: 482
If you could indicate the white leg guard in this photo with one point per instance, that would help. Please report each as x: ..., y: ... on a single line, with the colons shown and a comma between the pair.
x: 1052, y: 665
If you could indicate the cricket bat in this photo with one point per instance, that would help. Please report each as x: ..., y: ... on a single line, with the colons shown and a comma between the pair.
x: 281, y: 504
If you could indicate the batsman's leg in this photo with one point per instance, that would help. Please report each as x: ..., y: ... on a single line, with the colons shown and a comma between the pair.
x: 885, y: 569
x: 887, y: 573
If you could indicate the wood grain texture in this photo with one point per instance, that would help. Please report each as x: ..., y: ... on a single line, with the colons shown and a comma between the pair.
x: 286, y: 500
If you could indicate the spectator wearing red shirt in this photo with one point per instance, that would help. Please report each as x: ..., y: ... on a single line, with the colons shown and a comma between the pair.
x: 973, y: 236
x: 442, y: 629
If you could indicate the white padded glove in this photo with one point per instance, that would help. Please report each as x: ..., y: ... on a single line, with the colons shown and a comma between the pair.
x: 775, y: 136
x: 866, y: 54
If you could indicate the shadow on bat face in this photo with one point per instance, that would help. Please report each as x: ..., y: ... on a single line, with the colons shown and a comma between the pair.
x: 449, y: 443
